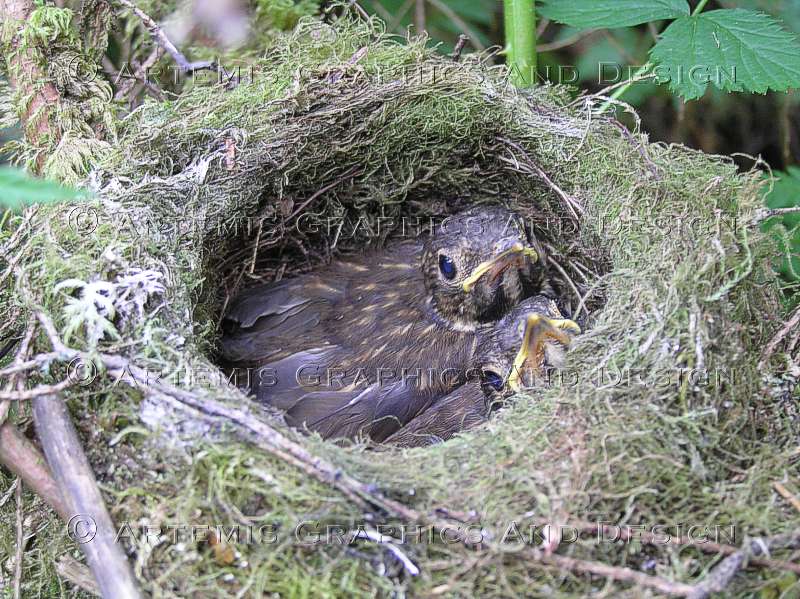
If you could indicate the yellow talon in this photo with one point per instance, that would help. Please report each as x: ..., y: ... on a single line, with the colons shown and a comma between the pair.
x: 538, y: 329
x: 566, y: 323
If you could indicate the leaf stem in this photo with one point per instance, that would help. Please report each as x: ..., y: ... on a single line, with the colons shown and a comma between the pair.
x: 700, y: 7
x: 520, y: 26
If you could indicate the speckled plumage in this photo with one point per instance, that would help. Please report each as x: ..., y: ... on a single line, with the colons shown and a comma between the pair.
x: 499, y: 353
x: 391, y: 309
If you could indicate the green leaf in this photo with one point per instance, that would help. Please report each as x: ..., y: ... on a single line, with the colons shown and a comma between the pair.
x: 18, y: 189
x: 786, y: 194
x: 733, y: 49
x: 599, y: 14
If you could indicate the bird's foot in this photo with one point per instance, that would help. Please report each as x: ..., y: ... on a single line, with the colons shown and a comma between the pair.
x: 539, y: 331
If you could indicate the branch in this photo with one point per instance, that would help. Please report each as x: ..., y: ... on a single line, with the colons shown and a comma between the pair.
x: 23, y: 72
x: 162, y: 39
x: 22, y: 458
x: 462, y: 41
x: 474, y: 37
x: 705, y: 546
x: 74, y: 476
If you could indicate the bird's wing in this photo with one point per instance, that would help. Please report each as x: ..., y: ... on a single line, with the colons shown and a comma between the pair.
x: 270, y: 321
x: 376, y: 410
x: 460, y: 410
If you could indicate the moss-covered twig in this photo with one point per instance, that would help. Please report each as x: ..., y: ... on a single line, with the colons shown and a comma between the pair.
x: 20, y: 543
x: 26, y: 76
x: 627, y: 535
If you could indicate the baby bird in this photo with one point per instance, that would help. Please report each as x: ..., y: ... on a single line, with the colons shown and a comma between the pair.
x: 412, y: 307
x: 511, y: 356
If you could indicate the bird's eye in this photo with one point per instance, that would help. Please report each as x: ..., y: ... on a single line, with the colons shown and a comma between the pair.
x: 447, y: 266
x: 494, y: 380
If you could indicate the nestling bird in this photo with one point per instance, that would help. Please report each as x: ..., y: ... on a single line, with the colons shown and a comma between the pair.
x: 511, y: 356
x: 413, y: 307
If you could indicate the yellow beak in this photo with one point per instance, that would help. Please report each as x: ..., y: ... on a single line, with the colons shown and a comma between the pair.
x: 498, y: 264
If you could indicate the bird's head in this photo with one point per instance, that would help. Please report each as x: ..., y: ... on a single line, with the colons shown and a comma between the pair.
x: 477, y: 264
x: 514, y: 353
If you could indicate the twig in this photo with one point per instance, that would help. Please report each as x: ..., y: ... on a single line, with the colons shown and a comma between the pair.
x: 419, y: 16
x: 617, y: 573
x: 76, y: 573
x: 763, y: 214
x: 264, y: 436
x: 140, y: 74
x: 9, y: 492
x: 391, y: 545
x: 639, y: 146
x: 788, y: 327
x: 74, y: 476
x: 571, y: 203
x: 23, y: 459
x: 350, y: 173
x: 38, y: 391
x: 20, y: 543
x: 161, y: 38
x: 22, y: 354
x: 720, y: 577
x: 9, y: 345
x: 623, y: 534
x: 787, y: 495
x: 462, y: 41
x: 357, y: 7
x: 572, y: 286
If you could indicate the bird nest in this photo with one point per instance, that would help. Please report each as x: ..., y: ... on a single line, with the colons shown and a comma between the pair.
x: 661, y: 418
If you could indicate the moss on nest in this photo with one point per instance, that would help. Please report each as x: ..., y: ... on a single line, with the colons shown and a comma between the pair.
x: 341, y: 120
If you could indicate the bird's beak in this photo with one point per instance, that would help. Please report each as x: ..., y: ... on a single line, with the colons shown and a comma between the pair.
x: 495, y: 266
x: 530, y: 357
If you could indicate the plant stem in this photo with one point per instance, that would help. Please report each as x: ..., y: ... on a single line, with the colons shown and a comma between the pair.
x: 520, y: 25
x: 700, y: 7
